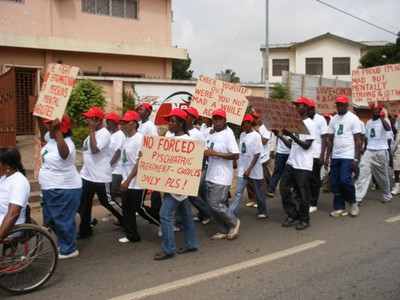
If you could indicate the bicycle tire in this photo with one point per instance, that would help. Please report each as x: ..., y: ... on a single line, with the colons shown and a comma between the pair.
x: 28, y: 259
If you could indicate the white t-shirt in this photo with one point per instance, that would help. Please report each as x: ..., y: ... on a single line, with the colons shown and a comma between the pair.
x: 147, y: 128
x: 377, y: 135
x: 206, y: 132
x: 129, y: 156
x: 196, y: 135
x: 300, y: 158
x: 96, y: 166
x: 321, y: 129
x: 220, y: 171
x: 282, y: 148
x: 343, y: 128
x: 250, y: 144
x: 58, y: 173
x: 14, y: 189
x: 117, y: 140
x: 265, y: 133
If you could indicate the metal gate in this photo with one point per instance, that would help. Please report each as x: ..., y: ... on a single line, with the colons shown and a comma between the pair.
x: 25, y: 80
x: 7, y: 109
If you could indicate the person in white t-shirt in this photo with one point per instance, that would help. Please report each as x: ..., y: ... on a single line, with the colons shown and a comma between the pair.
x: 342, y: 156
x: 221, y: 150
x: 60, y: 183
x: 375, y: 159
x: 174, y: 203
x: 297, y: 173
x: 133, y: 196
x: 117, y: 140
x: 96, y: 172
x: 319, y: 146
x: 147, y: 127
x: 250, y: 167
x: 14, y: 190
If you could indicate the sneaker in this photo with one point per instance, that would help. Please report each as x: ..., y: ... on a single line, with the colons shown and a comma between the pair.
x: 93, y: 222
x: 385, y: 201
x: 250, y: 203
x: 354, y: 210
x: 288, y: 222
x: 219, y: 236
x: 313, y: 209
x: 338, y: 213
x: 255, y: 205
x: 205, y: 221
x: 124, y: 240
x: 261, y: 216
x: 176, y: 229
x: 159, y: 232
x: 109, y: 218
x: 196, y: 219
x: 71, y: 255
x: 270, y: 194
x: 302, y: 225
x: 234, y: 231
x: 395, y: 190
x: 359, y: 203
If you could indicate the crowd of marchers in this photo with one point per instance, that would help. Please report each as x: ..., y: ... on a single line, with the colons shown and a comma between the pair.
x: 338, y: 148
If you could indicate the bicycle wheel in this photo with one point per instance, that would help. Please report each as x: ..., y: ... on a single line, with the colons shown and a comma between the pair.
x: 28, y: 258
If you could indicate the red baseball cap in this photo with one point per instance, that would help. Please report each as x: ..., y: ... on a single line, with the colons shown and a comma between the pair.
x: 112, y: 116
x: 342, y: 99
x: 248, y: 117
x: 130, y: 115
x: 192, y: 111
x: 218, y: 112
x: 311, y: 103
x: 148, y: 106
x: 327, y: 116
x: 177, y: 112
x: 255, y: 114
x: 65, y: 124
x: 94, y: 112
x: 302, y: 100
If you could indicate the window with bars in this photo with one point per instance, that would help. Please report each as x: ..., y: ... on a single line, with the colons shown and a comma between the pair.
x: 341, y: 65
x: 127, y: 9
x: 314, y: 66
x: 279, y: 65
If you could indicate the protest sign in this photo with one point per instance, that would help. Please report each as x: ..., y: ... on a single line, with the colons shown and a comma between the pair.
x: 393, y: 107
x: 380, y: 83
x: 278, y: 114
x: 326, y: 97
x: 170, y: 165
x: 211, y: 94
x: 55, y: 91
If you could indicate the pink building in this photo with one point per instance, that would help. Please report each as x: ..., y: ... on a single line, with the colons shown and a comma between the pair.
x: 118, y: 38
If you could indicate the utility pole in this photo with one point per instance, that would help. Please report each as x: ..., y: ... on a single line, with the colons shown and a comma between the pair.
x: 266, y: 65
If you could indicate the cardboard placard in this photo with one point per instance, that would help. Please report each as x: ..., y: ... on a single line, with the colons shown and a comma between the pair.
x: 55, y: 91
x: 211, y: 94
x: 326, y: 97
x: 170, y: 165
x: 393, y: 107
x: 278, y: 114
x: 380, y: 83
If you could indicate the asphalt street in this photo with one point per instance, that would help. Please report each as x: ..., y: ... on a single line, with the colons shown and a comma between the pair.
x: 336, y: 258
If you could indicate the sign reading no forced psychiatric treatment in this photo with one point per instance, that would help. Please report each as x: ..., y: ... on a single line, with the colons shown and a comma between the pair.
x: 170, y: 165
x: 211, y: 94
x: 55, y: 91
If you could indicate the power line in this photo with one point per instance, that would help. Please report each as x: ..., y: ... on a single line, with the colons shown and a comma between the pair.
x: 342, y: 11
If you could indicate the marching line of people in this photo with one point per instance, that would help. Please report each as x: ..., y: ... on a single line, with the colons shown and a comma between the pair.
x: 111, y: 156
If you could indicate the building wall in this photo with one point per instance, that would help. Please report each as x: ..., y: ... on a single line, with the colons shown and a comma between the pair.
x: 64, y: 18
x: 280, y: 54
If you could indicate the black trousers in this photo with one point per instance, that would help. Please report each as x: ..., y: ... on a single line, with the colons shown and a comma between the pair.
x: 103, y: 192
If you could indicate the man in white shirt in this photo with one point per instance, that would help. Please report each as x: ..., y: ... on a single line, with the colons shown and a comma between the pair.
x: 297, y: 173
x: 343, y: 154
x: 375, y: 160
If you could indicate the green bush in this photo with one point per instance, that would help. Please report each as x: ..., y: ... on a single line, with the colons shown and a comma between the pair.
x: 79, y: 134
x: 84, y: 95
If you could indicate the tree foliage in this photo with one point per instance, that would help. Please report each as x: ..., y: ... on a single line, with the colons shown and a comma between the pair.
x: 180, y: 69
x: 281, y: 91
x: 232, y: 74
x: 83, y: 96
x: 389, y: 54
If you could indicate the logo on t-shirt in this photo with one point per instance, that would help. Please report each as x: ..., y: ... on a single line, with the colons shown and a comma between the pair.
x: 243, y: 148
x: 212, y: 145
x: 372, y: 134
x: 44, y: 153
x: 124, y: 159
x: 85, y: 145
x: 340, y: 130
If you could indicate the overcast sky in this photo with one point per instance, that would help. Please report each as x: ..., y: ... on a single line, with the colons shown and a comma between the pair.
x: 228, y: 34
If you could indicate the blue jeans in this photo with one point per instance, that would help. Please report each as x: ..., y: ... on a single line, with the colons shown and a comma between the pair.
x: 200, y: 205
x: 169, y: 206
x: 59, y: 207
x: 298, y: 180
x: 240, y: 186
x: 280, y: 162
x: 342, y: 183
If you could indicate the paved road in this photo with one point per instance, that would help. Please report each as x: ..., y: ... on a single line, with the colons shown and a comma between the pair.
x: 336, y: 258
